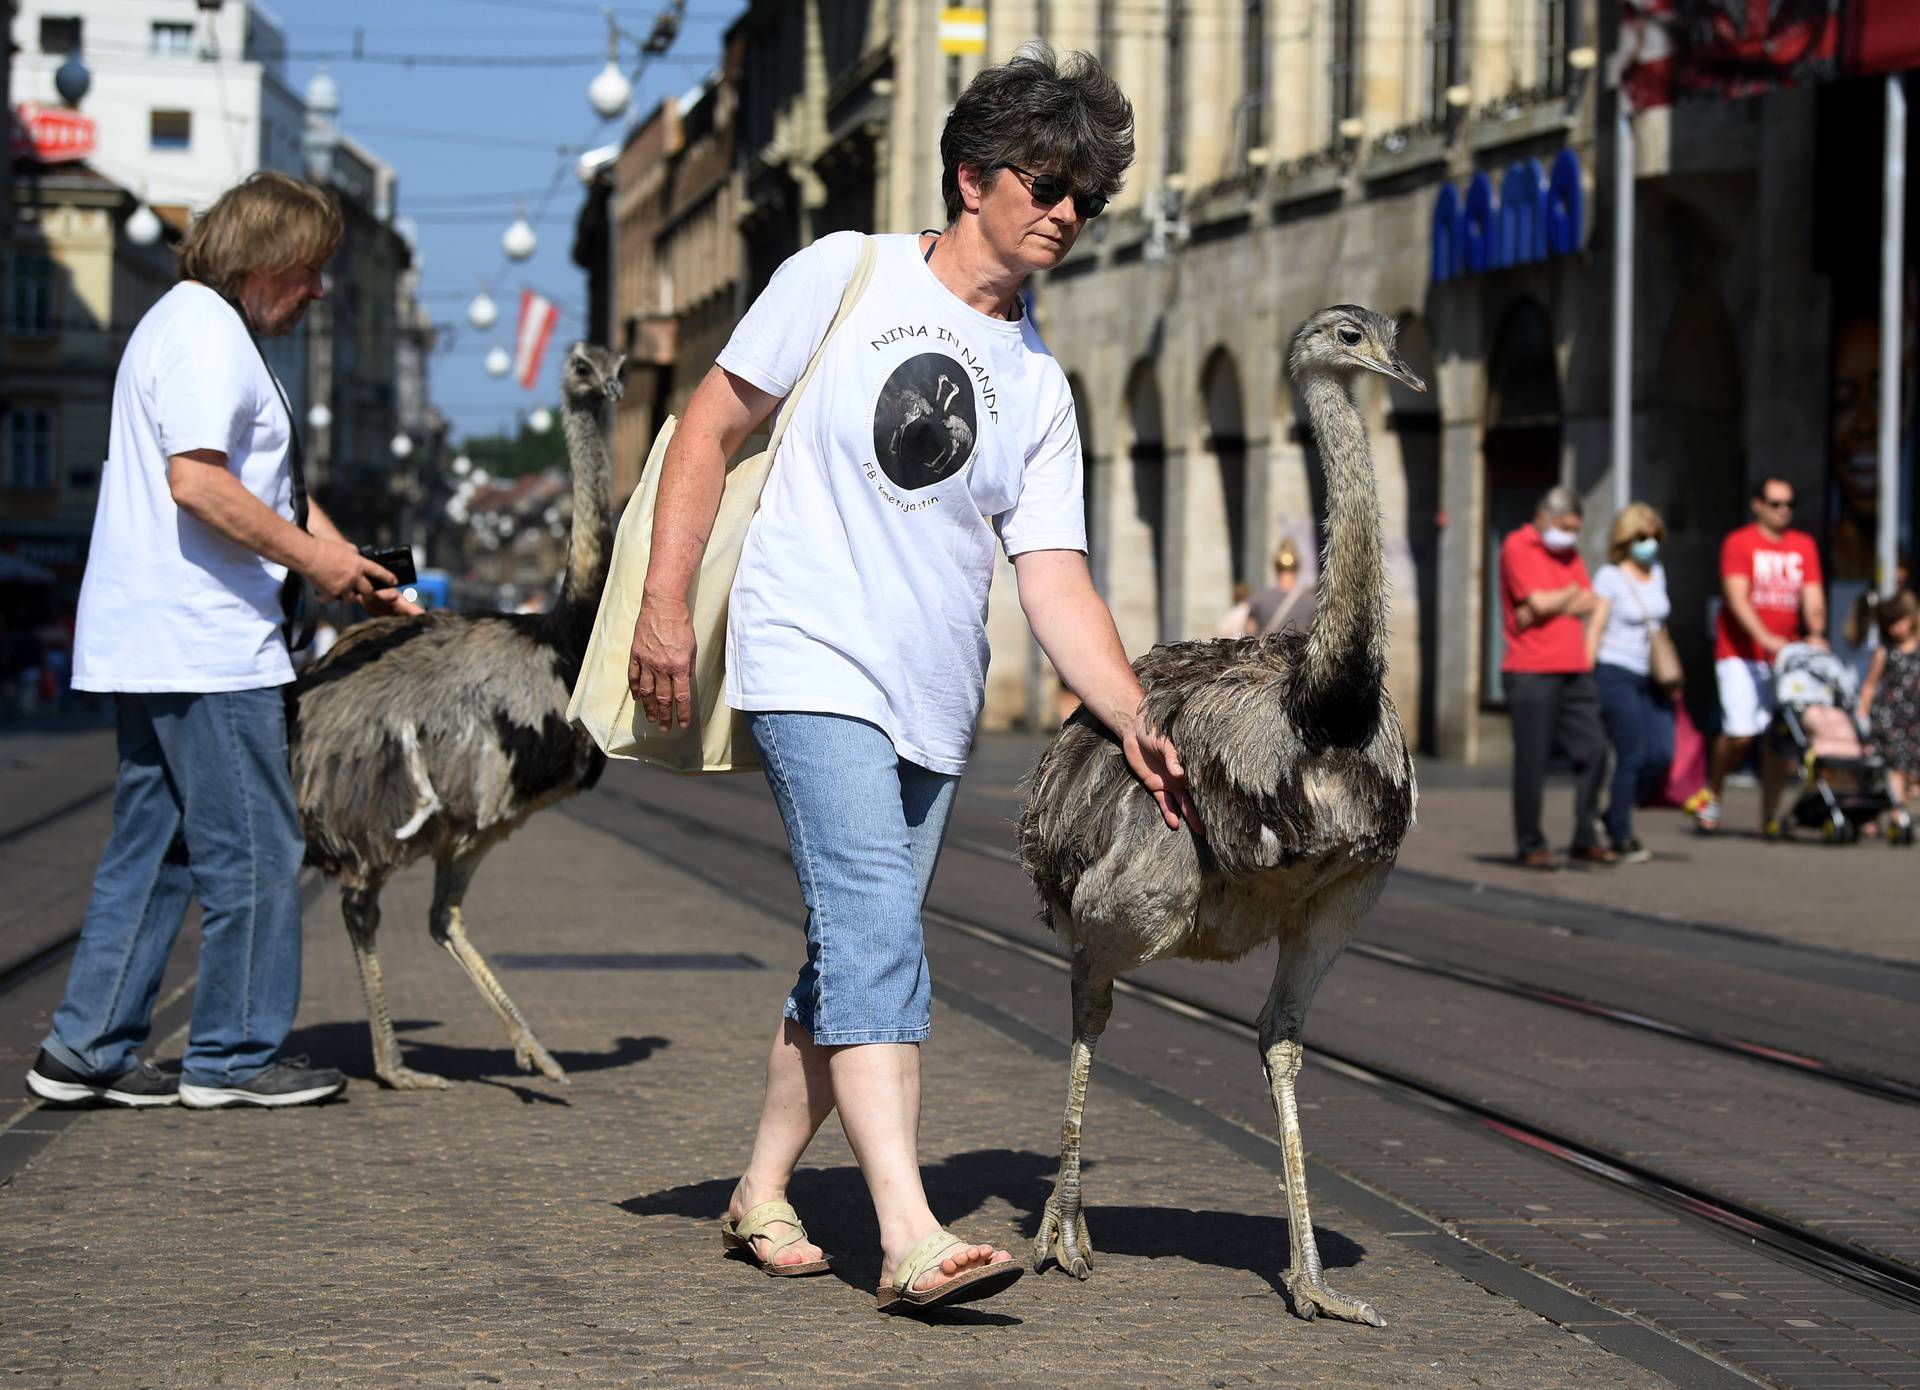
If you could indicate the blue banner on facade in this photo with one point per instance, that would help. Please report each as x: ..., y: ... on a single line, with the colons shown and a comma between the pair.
x: 1537, y: 213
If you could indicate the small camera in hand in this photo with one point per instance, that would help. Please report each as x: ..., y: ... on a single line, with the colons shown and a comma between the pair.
x: 396, y: 560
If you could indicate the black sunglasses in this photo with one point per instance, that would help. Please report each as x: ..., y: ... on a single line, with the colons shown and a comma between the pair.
x: 1776, y: 502
x: 1049, y: 189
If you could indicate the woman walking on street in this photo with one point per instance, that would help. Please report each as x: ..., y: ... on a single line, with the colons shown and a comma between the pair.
x: 1638, y: 713
x: 936, y: 422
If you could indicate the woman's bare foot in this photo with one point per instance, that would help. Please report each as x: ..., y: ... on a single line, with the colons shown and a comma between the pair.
x: 956, y: 1261
x: 746, y: 1197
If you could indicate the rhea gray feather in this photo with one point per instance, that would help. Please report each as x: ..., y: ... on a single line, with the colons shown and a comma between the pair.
x: 1297, y: 762
x: 437, y: 735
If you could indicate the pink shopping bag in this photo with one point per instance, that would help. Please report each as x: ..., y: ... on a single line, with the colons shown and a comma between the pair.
x: 1687, y: 773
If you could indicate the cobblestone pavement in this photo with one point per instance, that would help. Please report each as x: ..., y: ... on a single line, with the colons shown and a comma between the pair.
x: 512, y: 1231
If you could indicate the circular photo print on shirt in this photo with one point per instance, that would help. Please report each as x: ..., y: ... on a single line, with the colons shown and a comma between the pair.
x: 925, y: 422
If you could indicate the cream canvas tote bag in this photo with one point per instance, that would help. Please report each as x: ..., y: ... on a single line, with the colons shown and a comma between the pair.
x: 717, y: 739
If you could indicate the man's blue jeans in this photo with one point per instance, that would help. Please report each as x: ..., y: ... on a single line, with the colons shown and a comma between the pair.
x: 203, y: 806
x: 864, y: 827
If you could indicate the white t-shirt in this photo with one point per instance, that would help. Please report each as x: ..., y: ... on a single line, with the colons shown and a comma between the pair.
x: 168, y: 603
x: 927, y: 428
x: 1638, y: 606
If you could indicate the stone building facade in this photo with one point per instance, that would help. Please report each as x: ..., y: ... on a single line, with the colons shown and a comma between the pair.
x: 61, y: 336
x: 1446, y: 162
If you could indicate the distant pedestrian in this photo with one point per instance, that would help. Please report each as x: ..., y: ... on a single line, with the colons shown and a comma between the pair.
x: 937, y: 430
x: 1552, y: 621
x: 1770, y: 595
x: 1890, y: 697
x: 1237, y: 620
x: 180, y: 618
x: 1289, y: 602
x: 1638, y: 713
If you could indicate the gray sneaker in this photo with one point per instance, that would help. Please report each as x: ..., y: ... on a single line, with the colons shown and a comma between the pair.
x: 146, y: 1085
x: 289, y: 1081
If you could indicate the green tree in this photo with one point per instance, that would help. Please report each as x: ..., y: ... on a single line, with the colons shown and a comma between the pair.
x: 512, y: 456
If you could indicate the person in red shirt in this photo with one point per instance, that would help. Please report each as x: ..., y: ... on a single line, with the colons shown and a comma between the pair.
x: 1552, y: 620
x: 1771, y: 594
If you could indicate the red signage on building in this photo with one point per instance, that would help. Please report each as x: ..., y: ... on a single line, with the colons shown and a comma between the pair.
x: 50, y: 134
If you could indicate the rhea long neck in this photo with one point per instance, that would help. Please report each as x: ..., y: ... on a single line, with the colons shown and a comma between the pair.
x: 592, y: 502
x: 1348, y: 643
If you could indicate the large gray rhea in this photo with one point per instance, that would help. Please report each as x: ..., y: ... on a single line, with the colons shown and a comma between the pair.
x: 1300, y: 770
x: 438, y: 735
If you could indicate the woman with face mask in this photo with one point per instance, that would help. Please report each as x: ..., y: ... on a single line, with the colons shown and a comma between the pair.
x: 1638, y: 714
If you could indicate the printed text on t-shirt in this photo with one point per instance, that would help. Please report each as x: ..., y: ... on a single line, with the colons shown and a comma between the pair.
x: 1778, y: 577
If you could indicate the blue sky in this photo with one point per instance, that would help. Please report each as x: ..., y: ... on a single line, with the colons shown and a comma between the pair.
x: 468, y: 142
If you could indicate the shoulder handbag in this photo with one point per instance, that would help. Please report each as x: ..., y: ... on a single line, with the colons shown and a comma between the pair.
x: 717, y: 739
x: 1663, y: 658
x: 298, y: 617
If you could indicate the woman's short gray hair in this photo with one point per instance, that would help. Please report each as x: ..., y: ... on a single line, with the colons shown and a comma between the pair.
x: 1063, y: 115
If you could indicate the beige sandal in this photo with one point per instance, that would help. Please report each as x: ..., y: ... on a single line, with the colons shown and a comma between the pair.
x: 757, y: 1224
x: 982, y: 1281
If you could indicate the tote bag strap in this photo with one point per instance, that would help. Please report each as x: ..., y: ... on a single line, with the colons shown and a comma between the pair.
x: 857, y: 286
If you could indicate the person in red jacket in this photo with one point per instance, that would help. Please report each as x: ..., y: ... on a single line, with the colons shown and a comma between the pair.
x: 1552, y: 620
x: 1771, y: 594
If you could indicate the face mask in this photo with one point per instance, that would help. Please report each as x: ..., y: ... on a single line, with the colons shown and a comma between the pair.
x: 1558, y: 541
x: 1644, y: 551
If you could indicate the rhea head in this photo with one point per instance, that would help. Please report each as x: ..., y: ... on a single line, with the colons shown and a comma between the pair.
x: 591, y: 370
x: 1345, y: 339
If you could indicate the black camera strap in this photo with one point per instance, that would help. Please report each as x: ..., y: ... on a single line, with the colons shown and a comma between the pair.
x: 296, y: 608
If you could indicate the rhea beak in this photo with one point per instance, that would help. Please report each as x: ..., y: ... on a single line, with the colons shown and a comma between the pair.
x: 1397, y: 368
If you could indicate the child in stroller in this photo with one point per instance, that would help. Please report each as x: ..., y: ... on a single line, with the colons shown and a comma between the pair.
x: 1842, y: 786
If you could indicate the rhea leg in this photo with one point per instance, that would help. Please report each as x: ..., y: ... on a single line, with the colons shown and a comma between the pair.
x: 450, y: 880
x: 1331, y: 917
x: 1063, y: 1227
x: 361, y: 907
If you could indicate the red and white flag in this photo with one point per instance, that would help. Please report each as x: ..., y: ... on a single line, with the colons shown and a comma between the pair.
x: 1740, y: 48
x: 538, y: 315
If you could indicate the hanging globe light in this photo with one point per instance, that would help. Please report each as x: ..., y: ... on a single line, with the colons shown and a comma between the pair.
x: 402, y: 446
x: 540, y: 419
x: 498, y: 363
x: 482, y: 313
x: 143, y: 228
x: 518, y: 240
x: 462, y: 465
x: 481, y: 477
x: 319, y: 417
x: 72, y: 80
x: 609, y: 92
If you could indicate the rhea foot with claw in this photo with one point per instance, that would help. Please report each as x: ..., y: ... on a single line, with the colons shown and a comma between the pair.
x: 1312, y: 1298
x: 1063, y: 1235
x: 407, y: 1079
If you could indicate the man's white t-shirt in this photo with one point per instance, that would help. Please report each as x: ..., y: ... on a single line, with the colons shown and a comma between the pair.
x: 927, y: 428
x: 168, y: 603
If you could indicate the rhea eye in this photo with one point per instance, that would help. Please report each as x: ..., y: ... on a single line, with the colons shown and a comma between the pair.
x: 1350, y: 336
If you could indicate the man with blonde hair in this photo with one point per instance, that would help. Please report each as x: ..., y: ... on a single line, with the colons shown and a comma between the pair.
x: 202, y: 518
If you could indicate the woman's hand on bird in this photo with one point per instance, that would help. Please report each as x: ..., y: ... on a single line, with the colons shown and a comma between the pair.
x: 1156, y: 762
x: 660, y: 667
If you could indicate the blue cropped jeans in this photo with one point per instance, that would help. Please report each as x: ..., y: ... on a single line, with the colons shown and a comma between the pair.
x: 203, y: 806
x: 1639, y: 722
x: 864, y: 827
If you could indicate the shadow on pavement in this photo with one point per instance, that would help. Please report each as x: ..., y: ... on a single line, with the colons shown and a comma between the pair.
x: 840, y: 1214
x: 345, y: 1045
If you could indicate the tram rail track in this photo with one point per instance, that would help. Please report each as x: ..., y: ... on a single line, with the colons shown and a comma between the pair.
x: 18, y: 971
x: 1887, y: 1281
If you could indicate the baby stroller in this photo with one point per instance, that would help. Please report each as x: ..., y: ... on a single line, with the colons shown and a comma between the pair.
x: 1842, y: 786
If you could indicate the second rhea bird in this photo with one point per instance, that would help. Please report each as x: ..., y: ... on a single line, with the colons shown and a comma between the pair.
x: 438, y: 735
x: 1297, y: 761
